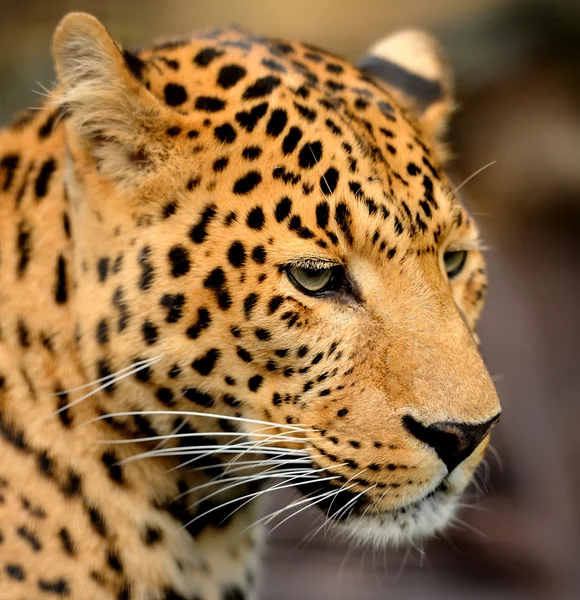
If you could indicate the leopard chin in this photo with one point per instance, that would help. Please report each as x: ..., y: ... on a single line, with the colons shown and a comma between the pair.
x: 408, y: 524
x: 414, y: 521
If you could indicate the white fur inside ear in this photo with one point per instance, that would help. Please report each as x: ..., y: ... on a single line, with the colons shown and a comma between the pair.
x: 415, y: 51
x: 108, y: 108
x: 97, y: 91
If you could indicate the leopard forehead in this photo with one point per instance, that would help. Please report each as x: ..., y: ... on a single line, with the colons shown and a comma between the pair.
x: 286, y: 121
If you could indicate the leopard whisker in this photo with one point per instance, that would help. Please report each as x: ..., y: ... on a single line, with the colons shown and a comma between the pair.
x: 468, y: 179
x: 175, y: 436
x: 133, y: 413
x: 141, y: 364
x: 95, y: 391
x: 233, y: 501
x: 308, y: 471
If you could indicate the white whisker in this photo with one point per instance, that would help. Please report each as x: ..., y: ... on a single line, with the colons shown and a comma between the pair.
x: 190, y: 414
x: 96, y: 390
x: 468, y: 179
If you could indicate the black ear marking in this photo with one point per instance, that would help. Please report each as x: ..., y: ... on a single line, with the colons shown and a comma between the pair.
x: 424, y: 91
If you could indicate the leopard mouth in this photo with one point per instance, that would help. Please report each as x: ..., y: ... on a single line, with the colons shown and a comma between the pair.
x: 350, y: 513
x: 340, y: 503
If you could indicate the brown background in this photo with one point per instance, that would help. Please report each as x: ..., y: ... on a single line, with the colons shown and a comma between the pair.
x: 517, y: 67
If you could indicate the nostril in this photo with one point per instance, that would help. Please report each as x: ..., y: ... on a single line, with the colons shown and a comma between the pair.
x: 453, y: 442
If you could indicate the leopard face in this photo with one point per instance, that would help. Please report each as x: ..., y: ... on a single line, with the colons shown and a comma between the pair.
x: 274, y: 227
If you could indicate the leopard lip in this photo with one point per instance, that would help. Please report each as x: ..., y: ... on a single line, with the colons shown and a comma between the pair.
x: 343, y: 503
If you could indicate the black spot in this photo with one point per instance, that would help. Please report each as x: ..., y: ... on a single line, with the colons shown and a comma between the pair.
x: 203, y: 322
x: 244, y: 354
x: 274, y: 304
x: 261, y: 87
x: 237, y: 254
x: 216, y: 281
x: 29, y: 538
x: 66, y: 540
x: 342, y: 412
x: 198, y: 232
x: 283, y: 209
x: 304, y: 111
x: 277, y: 122
x: 255, y: 382
x: 175, y: 94
x: 413, y: 169
x: 115, y: 471
x: 225, y: 133
x: 72, y: 484
x: 286, y: 175
x: 165, y: 396
x: 310, y: 155
x: 114, y: 561
x: 328, y: 181
x: 343, y: 219
x: 249, y: 119
x: 251, y: 152
x: 230, y: 75
x: 255, y: 218
x: 259, y: 255
x: 322, y: 214
x: 291, y: 140
x: 398, y: 226
x: 302, y: 351
x: 205, y: 56
x: 175, y: 370
x: 103, y: 268
x: 23, y: 334
x: 179, y: 260
x: 249, y: 303
x: 169, y: 209
x: 273, y: 65
x: 15, y: 572
x: 9, y: 164
x: 147, y: 271
x: 102, y: 332
x: 193, y: 183
x: 45, y: 464
x: 121, y: 305
x: 174, y: 305
x: 43, y: 179
x: 152, y: 535
x: 263, y: 334
x: 24, y: 246
x: 150, y: 333
x: 198, y: 397
x: 245, y: 184
x: 173, y: 131
x: 336, y: 130
x: 104, y: 371
x: 220, y: 164
x: 59, y: 586
x: 204, y: 364
x: 61, y: 290
x: 209, y: 103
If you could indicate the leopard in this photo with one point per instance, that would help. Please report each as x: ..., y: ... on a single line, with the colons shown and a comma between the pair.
x: 230, y: 264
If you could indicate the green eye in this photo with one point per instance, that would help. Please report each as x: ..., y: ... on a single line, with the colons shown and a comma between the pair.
x: 314, y: 281
x: 454, y: 262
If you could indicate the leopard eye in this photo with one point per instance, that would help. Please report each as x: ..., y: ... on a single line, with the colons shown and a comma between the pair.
x: 454, y: 262
x: 315, y: 281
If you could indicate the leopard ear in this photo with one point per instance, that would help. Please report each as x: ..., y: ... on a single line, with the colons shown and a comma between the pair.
x: 411, y: 65
x: 109, y: 108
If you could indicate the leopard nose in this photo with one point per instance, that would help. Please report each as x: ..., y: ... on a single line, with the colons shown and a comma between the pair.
x: 453, y: 442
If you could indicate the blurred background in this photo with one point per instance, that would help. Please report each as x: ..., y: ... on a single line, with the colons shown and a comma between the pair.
x: 517, y: 66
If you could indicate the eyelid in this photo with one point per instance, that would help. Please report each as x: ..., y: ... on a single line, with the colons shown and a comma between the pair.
x: 313, y: 263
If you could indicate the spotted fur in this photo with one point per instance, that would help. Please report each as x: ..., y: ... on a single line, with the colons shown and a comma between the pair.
x: 149, y: 215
